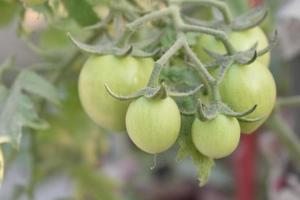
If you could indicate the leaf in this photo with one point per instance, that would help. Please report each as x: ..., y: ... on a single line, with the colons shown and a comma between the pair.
x: 187, y: 149
x: 192, y: 38
x: 81, y: 11
x: 16, y: 112
x: 17, y: 109
x: 168, y: 38
x: 37, y: 85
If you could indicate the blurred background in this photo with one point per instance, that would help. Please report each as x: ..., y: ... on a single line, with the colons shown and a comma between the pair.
x: 75, y: 159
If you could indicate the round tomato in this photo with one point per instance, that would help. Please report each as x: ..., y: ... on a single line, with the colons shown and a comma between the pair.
x: 248, y: 85
x: 124, y: 75
x: 1, y: 165
x: 241, y: 41
x: 153, y: 124
x: 216, y: 138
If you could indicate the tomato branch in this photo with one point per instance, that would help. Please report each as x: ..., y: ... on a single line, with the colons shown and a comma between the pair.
x: 293, y: 101
x: 153, y: 81
x: 220, y: 5
x: 149, y: 17
x: 286, y: 135
x: 210, y: 31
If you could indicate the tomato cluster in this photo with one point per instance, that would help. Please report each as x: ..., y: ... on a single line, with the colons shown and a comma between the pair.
x: 153, y: 123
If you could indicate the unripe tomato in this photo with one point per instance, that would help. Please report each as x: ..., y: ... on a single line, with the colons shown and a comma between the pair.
x: 153, y: 124
x: 246, y: 86
x: 124, y: 75
x: 1, y: 165
x: 216, y: 138
x: 241, y: 41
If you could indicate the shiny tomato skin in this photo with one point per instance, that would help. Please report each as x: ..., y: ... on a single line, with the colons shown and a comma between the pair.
x: 241, y: 41
x: 124, y: 75
x: 153, y: 124
x: 245, y: 86
x: 216, y: 138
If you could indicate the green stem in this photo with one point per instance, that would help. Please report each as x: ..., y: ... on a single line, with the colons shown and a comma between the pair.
x: 221, y: 35
x: 200, y: 67
x: 153, y: 81
x: 149, y: 17
x: 221, y: 6
x: 286, y: 135
x: 208, y: 79
x: 293, y: 101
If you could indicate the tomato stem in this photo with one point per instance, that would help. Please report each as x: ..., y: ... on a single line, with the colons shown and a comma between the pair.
x: 221, y: 6
x: 286, y: 135
x: 289, y: 101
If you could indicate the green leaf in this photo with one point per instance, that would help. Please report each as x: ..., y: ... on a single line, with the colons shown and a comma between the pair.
x: 32, y: 82
x: 17, y: 109
x: 81, y: 11
x: 168, y: 38
x: 187, y: 149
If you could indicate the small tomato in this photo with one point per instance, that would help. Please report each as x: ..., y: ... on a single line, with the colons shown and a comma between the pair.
x: 153, y: 124
x: 216, y: 138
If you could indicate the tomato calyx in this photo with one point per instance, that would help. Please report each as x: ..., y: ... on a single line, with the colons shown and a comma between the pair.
x: 272, y: 43
x: 241, y: 57
x: 149, y: 92
x: 210, y: 111
x: 249, y: 20
x: 104, y: 49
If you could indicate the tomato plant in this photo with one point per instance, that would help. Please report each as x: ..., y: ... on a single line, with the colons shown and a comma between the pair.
x: 142, y: 69
x: 153, y: 124
x: 247, y: 85
x: 123, y: 74
x: 241, y: 41
x: 216, y: 138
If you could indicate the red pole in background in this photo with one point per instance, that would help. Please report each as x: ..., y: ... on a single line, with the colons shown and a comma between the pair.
x: 245, y: 159
x: 244, y: 168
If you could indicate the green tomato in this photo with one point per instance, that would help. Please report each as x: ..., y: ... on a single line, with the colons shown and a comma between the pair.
x: 153, y: 124
x: 248, y: 85
x: 124, y: 75
x: 241, y: 41
x: 1, y: 166
x: 216, y: 138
